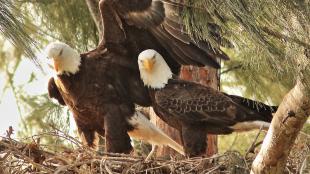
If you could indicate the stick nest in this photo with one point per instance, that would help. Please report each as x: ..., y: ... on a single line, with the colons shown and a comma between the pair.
x: 33, y: 157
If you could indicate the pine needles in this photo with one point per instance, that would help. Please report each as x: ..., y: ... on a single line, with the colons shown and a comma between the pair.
x: 13, y: 29
x: 268, y: 38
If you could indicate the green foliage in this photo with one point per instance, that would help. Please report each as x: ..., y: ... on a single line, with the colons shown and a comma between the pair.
x: 306, y: 128
x: 43, y: 21
x: 67, y: 21
x: 12, y: 28
x: 268, y: 37
x: 42, y: 115
x: 37, y: 113
x: 239, y: 141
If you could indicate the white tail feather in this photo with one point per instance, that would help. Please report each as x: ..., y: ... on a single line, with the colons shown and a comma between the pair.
x: 146, y: 131
x: 250, y: 125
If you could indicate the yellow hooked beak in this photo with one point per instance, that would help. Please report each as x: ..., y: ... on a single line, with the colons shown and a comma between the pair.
x: 148, y: 65
x: 56, y: 63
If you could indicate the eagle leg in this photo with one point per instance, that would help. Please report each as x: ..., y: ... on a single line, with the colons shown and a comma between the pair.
x: 194, y: 140
x: 88, y: 137
x: 154, y: 149
x: 116, y: 138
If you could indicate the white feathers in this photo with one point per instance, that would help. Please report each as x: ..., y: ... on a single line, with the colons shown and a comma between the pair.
x: 160, y: 73
x: 250, y: 125
x: 144, y: 130
x: 66, y: 59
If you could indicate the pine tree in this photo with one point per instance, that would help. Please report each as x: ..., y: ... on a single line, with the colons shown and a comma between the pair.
x: 271, y: 40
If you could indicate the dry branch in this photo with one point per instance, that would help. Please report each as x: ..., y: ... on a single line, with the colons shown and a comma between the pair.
x: 94, y: 11
x: 285, y: 126
x: 21, y: 157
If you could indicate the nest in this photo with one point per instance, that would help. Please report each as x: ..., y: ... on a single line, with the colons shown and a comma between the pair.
x: 20, y: 157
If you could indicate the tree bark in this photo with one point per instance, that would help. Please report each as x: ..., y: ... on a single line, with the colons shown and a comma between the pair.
x: 95, y: 13
x: 205, y: 76
x: 285, y: 126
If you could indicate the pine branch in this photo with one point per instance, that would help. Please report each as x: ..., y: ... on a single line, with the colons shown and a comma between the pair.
x: 13, y: 29
x: 285, y: 37
x: 95, y: 13
x: 231, y: 69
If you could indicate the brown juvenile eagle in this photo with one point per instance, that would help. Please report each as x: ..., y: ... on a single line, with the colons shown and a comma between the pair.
x: 100, y: 100
x: 196, y: 110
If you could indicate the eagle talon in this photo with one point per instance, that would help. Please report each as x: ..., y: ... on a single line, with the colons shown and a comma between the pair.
x: 150, y: 155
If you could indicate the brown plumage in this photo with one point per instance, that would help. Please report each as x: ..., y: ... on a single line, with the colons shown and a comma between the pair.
x: 196, y: 110
x: 102, y: 88
x: 144, y: 24
x: 102, y: 102
x: 93, y: 96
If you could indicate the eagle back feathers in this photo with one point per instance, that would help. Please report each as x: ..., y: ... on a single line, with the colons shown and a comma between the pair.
x: 194, y: 102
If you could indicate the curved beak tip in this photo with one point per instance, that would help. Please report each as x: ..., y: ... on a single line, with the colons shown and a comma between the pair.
x: 148, y: 65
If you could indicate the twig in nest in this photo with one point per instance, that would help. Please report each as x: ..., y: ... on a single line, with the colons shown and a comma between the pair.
x: 101, y: 165
x: 70, y: 166
x: 14, y: 150
x: 252, y: 147
x: 212, y: 170
x: 9, y: 132
x: 106, y: 167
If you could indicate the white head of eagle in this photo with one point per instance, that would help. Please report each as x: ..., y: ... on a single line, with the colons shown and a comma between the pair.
x: 66, y: 59
x: 154, y: 71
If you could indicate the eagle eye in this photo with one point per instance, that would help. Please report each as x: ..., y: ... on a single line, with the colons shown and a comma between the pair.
x: 60, y: 53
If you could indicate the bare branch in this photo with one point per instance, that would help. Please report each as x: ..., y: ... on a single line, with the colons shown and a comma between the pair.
x: 231, y: 69
x: 93, y: 6
x: 285, y: 126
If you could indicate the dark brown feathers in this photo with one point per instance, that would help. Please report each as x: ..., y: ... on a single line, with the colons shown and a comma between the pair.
x: 159, y: 22
x: 195, y: 103
x: 101, y: 96
x: 196, y: 110
x: 53, y: 91
x: 259, y: 107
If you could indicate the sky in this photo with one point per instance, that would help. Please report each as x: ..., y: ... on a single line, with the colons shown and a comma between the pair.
x: 9, y: 113
x: 8, y: 106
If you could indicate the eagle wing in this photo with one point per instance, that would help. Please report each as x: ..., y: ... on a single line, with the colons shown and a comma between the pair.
x: 163, y: 20
x: 196, y: 103
x: 53, y: 91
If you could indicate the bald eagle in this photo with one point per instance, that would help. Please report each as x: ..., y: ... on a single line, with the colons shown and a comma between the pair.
x: 194, y: 109
x: 106, y: 80
x: 93, y: 96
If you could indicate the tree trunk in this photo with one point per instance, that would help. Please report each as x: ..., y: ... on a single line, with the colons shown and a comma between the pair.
x: 205, y: 76
x: 285, y: 126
